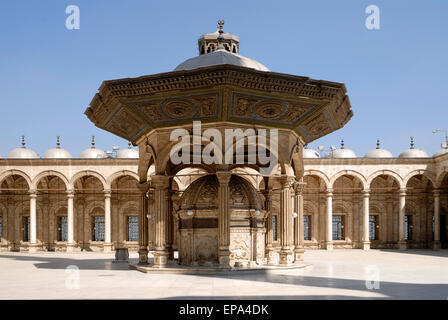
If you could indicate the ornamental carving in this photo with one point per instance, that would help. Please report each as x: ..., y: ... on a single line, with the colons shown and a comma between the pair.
x: 269, y: 110
x: 124, y: 123
x: 179, y: 108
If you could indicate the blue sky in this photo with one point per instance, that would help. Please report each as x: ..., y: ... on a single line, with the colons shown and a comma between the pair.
x: 396, y: 77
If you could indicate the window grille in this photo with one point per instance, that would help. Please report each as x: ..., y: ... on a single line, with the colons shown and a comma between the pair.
x: 132, y: 234
x: 98, y: 228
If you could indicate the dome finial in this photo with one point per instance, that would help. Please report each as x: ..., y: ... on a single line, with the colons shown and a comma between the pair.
x: 23, y: 142
x: 342, y: 144
x: 378, y: 143
x: 129, y: 145
x: 93, y: 142
x: 412, y: 142
x: 220, y: 37
x: 58, y: 144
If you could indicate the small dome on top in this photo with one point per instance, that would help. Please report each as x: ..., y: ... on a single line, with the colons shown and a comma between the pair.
x: 93, y: 153
x: 310, y: 153
x: 219, y: 48
x: 413, y: 152
x: 23, y: 152
x: 57, y: 153
x: 378, y: 152
x: 128, y: 153
x: 342, y: 152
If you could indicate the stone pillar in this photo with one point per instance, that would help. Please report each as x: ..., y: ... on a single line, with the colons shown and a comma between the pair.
x: 365, y: 220
x: 401, y: 212
x: 298, y: 222
x: 143, y: 225
x: 269, y: 233
x: 286, y: 223
x: 436, y: 244
x: 329, y: 220
x: 169, y: 226
x: 70, y: 221
x: 107, y: 222
x: 223, y: 218
x: 161, y: 206
x: 33, y: 222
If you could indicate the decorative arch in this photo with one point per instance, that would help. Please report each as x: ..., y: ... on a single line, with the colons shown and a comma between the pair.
x: 14, y: 172
x: 119, y: 174
x: 426, y: 173
x: 353, y: 173
x: 440, y: 177
x: 48, y: 173
x: 319, y: 174
x: 389, y: 173
x: 88, y: 173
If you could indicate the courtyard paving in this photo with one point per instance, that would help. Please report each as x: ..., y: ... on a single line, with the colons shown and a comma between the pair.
x: 338, y: 274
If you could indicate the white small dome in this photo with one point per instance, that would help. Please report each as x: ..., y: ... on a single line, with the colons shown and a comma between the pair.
x: 23, y: 152
x: 57, y: 153
x: 310, y: 153
x: 378, y: 152
x: 93, y: 153
x: 219, y: 57
x: 413, y: 152
x: 128, y: 153
x: 342, y: 152
x: 440, y: 152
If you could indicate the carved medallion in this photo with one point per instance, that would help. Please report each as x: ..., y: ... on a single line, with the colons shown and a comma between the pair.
x: 269, y: 109
x: 179, y: 108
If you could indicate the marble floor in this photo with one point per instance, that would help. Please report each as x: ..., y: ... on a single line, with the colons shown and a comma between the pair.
x: 338, y: 274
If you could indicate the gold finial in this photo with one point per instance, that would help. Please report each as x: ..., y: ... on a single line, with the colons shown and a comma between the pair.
x: 93, y: 142
x: 412, y: 142
x: 23, y: 142
x: 58, y: 144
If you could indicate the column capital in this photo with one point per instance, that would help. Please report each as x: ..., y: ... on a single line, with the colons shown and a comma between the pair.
x: 70, y: 193
x: 366, y: 193
x: 298, y: 187
x: 436, y: 193
x: 223, y: 177
x: 32, y: 193
x: 402, y: 192
x: 286, y: 180
x: 160, y: 181
x: 329, y: 192
x: 107, y: 193
x: 143, y: 187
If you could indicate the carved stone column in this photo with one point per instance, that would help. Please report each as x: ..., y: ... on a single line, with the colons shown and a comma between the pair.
x: 298, y: 222
x: 33, y: 222
x: 436, y: 244
x: 70, y: 221
x: 143, y: 225
x: 329, y: 220
x: 107, y: 222
x: 365, y: 220
x: 162, y: 207
x: 401, y: 213
x: 151, y: 229
x: 286, y: 224
x: 269, y: 232
x: 223, y: 218
x: 169, y: 226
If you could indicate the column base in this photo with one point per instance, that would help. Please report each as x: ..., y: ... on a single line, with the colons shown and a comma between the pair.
x: 270, y: 257
x: 286, y: 258
x: 365, y: 245
x: 329, y: 245
x: 224, y: 258
x: 70, y: 247
x: 298, y: 255
x: 161, y: 259
x: 33, y: 248
x: 402, y: 245
x: 142, y: 257
x: 436, y: 245
x: 107, y: 247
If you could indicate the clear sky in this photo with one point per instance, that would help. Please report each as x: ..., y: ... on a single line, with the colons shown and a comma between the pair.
x: 396, y: 77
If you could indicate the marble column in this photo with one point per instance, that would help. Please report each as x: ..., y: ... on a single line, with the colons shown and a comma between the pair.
x: 33, y: 222
x: 286, y: 223
x: 298, y: 222
x: 143, y: 224
x: 401, y: 213
x: 70, y: 221
x: 365, y: 220
x: 329, y: 220
x: 269, y: 233
x: 161, y: 206
x: 107, y: 222
x: 436, y: 243
x: 223, y: 218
